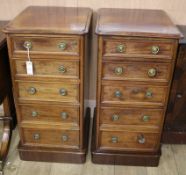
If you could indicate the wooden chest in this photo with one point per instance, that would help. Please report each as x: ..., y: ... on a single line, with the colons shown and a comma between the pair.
x: 50, y: 102
x: 136, y: 57
x: 175, y: 121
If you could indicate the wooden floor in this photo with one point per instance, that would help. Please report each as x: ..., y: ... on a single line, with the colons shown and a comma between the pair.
x: 173, y: 162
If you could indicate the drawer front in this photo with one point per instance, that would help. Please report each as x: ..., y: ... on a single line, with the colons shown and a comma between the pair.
x: 137, y: 71
x: 49, y: 68
x: 137, y: 47
x: 44, y: 45
x: 134, y: 94
x: 129, y: 141
x: 49, y: 114
x: 48, y: 91
x: 50, y: 137
x: 131, y: 116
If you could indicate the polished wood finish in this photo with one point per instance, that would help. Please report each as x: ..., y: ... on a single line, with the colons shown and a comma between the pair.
x: 45, y: 45
x: 54, y: 69
x: 50, y: 137
x: 32, y: 113
x: 133, y: 94
x: 131, y: 116
x: 115, y: 157
x: 128, y: 141
x: 141, y: 69
x: 137, y: 47
x: 136, y: 56
x: 6, y: 99
x: 50, y: 103
x: 47, y: 154
x: 136, y: 22
x: 55, y: 20
x: 175, y: 123
x: 51, y: 89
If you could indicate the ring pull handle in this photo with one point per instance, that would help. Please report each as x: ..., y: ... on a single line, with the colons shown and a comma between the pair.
x: 62, y: 46
x: 114, y: 139
x: 34, y: 114
x: 115, y: 117
x: 32, y: 90
x: 141, y: 139
x: 62, y: 69
x: 120, y: 48
x: 155, y: 50
x: 118, y: 70
x: 64, y: 115
x: 149, y: 94
x: 118, y: 93
x: 152, y: 72
x: 27, y: 45
x: 64, y: 138
x: 36, y: 136
x: 146, y: 118
x: 63, y: 92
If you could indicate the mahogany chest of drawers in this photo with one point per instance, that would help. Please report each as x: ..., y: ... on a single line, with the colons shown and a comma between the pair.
x: 136, y: 57
x: 175, y: 121
x: 50, y: 92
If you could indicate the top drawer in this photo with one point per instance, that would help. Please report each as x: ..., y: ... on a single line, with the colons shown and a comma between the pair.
x: 138, y: 47
x: 46, y: 45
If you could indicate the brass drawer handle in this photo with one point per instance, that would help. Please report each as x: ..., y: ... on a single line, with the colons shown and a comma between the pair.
x: 118, y: 70
x: 120, y: 48
x: 118, y: 94
x: 64, y: 138
x: 115, y: 117
x: 146, y: 118
x: 152, y: 72
x: 114, y: 139
x: 148, y: 94
x: 34, y: 114
x: 27, y: 45
x: 64, y: 115
x: 63, y: 92
x: 62, y: 69
x: 32, y: 90
x: 155, y: 50
x: 141, y: 139
x: 62, y: 46
x: 36, y: 136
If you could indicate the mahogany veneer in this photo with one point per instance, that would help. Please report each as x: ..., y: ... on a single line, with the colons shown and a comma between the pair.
x: 136, y: 57
x: 50, y: 104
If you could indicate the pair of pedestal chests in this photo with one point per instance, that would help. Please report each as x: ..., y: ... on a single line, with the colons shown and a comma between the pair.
x: 49, y: 52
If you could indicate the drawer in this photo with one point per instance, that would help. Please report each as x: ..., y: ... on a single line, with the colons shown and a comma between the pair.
x: 137, y: 71
x: 138, y: 47
x: 59, y: 114
x: 48, y: 91
x: 129, y: 141
x: 45, y: 137
x: 49, y: 68
x: 131, y: 94
x: 46, y: 45
x: 131, y: 116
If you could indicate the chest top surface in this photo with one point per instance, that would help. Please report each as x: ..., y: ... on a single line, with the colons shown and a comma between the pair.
x: 136, y: 22
x: 51, y: 20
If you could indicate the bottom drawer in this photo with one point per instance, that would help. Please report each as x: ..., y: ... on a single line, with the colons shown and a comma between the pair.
x: 129, y: 141
x: 50, y: 137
